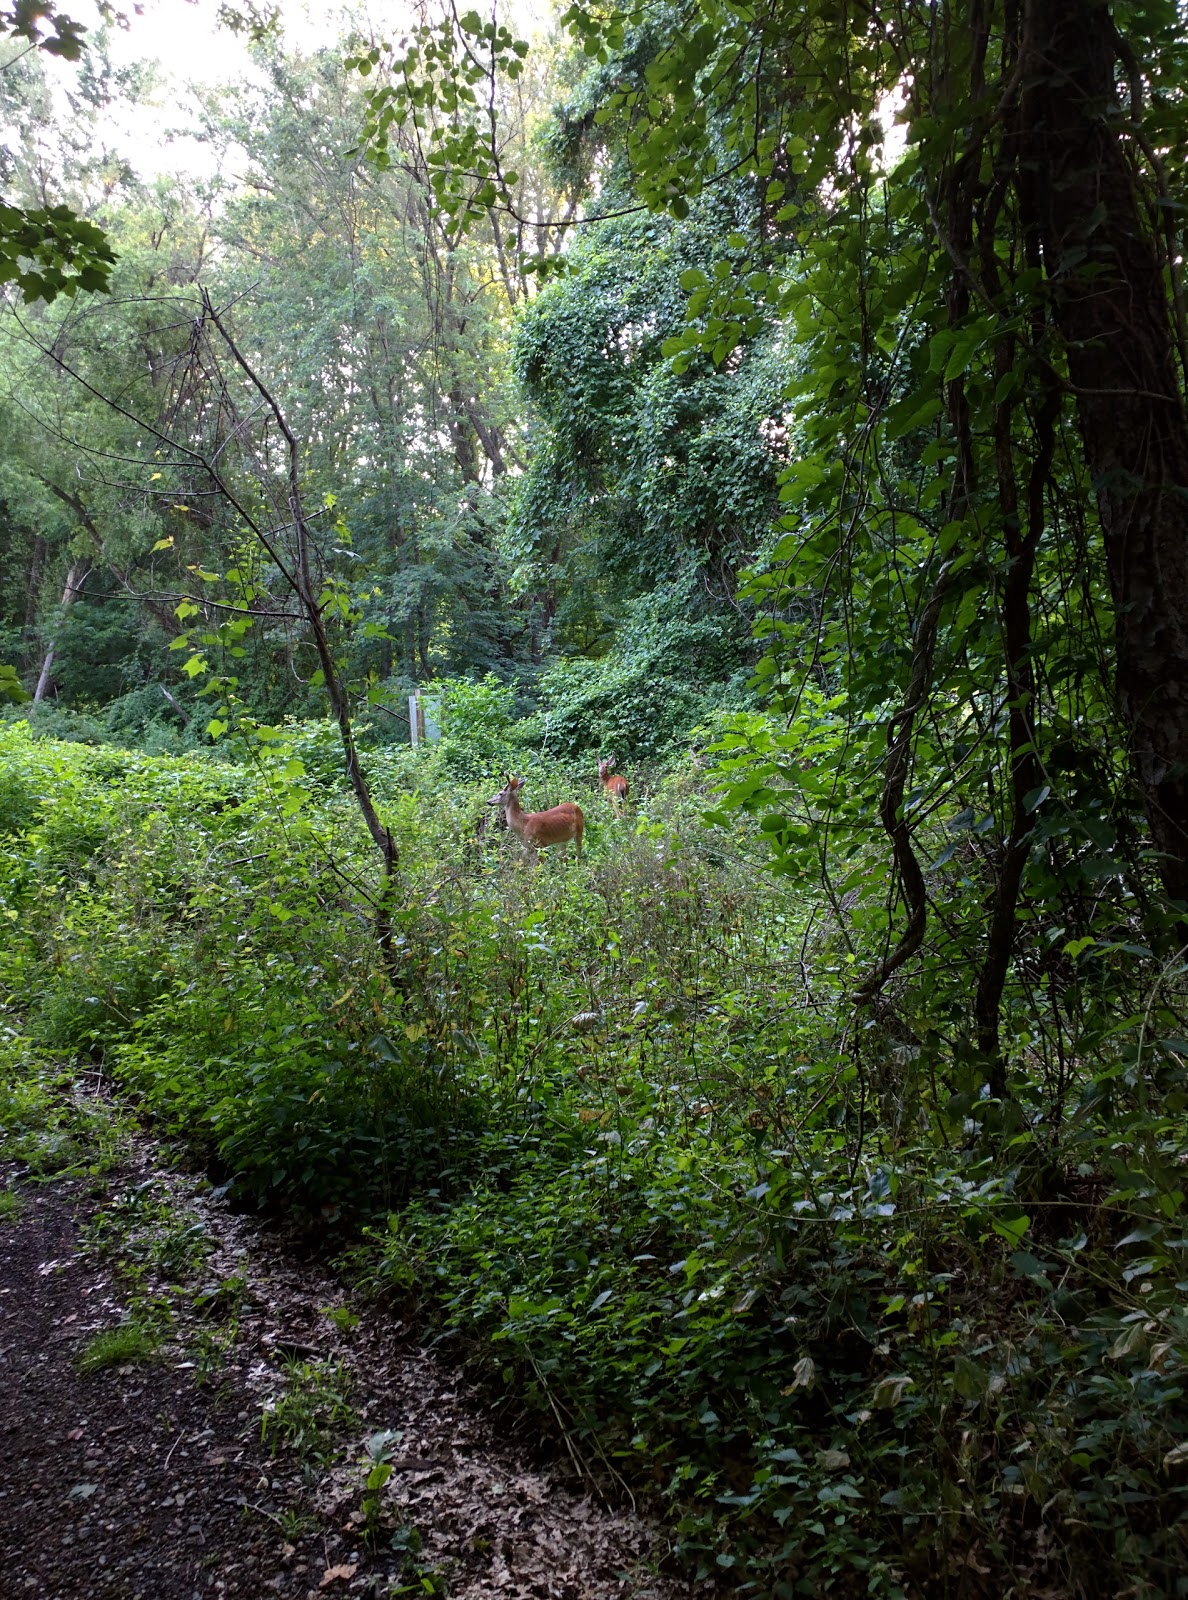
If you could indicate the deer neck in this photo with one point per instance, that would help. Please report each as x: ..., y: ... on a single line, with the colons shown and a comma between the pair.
x: 516, y: 818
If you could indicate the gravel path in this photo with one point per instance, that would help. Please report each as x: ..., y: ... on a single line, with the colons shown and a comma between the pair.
x: 149, y: 1479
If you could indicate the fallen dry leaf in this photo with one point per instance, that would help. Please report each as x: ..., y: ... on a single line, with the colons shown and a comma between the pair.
x: 333, y: 1574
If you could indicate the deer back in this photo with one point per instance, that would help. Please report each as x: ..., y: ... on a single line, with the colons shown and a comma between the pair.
x: 557, y: 825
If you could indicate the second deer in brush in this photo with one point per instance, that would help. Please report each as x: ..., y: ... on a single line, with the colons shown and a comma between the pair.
x: 614, y: 785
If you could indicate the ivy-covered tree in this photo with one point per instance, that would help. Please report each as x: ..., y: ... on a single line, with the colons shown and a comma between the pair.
x: 991, y: 441
x: 659, y: 470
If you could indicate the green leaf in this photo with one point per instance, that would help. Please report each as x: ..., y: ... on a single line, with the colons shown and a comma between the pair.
x: 1011, y: 1229
x: 1025, y: 1265
x: 11, y: 687
x: 969, y: 1379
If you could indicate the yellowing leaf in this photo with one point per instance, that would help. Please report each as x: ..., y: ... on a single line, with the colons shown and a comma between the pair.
x: 1129, y: 1341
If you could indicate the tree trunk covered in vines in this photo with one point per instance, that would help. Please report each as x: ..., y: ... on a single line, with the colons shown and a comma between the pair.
x: 1110, y: 303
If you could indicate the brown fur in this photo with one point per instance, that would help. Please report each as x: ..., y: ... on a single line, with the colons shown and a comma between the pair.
x: 539, y: 829
x: 614, y: 785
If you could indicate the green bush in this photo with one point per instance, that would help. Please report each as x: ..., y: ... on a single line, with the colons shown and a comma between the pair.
x: 11, y: 687
x: 670, y: 670
x: 819, y: 1377
x: 301, y: 1114
x: 18, y: 803
x: 49, y: 721
x: 480, y: 734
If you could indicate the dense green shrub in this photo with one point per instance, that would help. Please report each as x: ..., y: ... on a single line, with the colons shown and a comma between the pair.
x: 97, y: 656
x: 480, y: 735
x: 49, y: 721
x: 669, y: 672
x: 18, y: 802
x: 12, y: 690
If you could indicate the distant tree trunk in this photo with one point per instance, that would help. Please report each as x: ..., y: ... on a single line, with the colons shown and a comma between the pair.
x: 462, y: 436
x: 1110, y: 302
x: 32, y: 595
x: 163, y: 615
x: 181, y: 711
x: 490, y: 437
x: 73, y: 578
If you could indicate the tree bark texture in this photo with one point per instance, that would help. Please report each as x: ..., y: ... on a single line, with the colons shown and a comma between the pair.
x: 32, y: 597
x: 73, y: 578
x: 1110, y: 303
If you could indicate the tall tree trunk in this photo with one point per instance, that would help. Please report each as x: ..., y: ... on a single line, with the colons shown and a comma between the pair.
x: 73, y: 578
x: 1110, y: 302
x: 462, y: 436
x: 32, y: 595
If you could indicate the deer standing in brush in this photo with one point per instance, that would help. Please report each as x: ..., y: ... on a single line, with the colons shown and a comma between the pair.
x: 539, y: 829
x: 614, y: 785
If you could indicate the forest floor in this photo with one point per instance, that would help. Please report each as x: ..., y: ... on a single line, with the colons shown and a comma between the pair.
x: 186, y: 1400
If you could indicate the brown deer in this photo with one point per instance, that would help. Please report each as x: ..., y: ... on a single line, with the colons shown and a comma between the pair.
x: 614, y: 785
x: 538, y: 829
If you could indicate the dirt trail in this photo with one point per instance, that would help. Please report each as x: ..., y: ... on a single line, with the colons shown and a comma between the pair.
x: 149, y: 1479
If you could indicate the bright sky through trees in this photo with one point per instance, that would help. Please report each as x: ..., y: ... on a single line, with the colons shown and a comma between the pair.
x: 185, y: 40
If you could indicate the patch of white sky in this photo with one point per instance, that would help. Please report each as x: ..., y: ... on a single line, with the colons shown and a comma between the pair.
x: 187, y: 48
x: 159, y: 134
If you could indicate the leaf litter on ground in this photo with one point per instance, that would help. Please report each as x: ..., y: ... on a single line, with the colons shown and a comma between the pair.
x: 153, y: 1478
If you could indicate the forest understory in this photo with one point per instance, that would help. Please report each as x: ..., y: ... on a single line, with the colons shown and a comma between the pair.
x: 582, y: 1128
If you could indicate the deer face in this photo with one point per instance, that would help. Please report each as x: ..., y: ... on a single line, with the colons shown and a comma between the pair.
x: 509, y: 792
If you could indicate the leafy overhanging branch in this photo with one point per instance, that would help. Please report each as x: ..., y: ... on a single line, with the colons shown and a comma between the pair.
x: 48, y: 251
